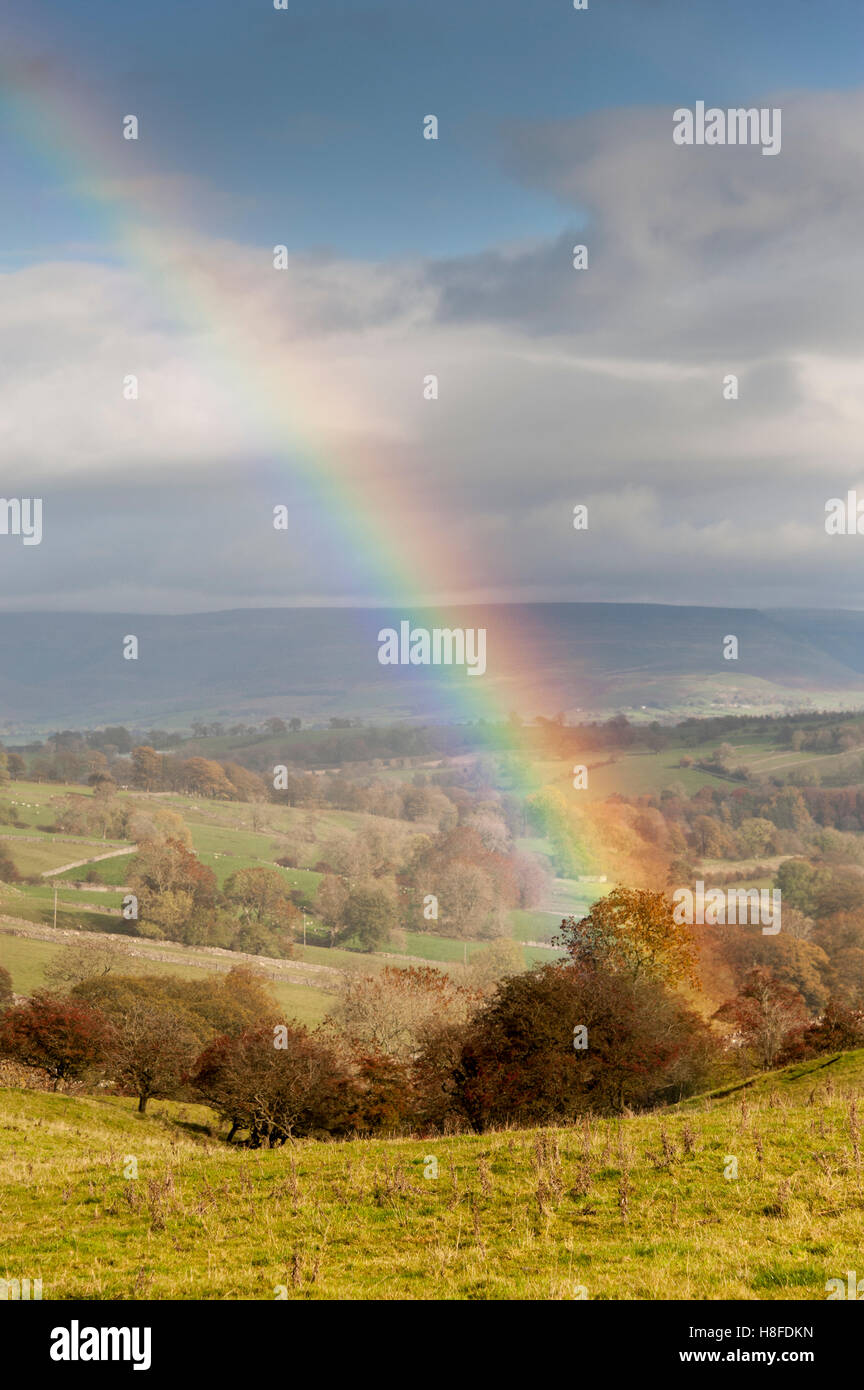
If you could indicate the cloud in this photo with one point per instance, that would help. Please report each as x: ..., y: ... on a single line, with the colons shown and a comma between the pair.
x: 555, y: 387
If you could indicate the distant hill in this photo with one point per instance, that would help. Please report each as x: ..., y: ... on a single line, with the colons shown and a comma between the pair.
x: 68, y: 670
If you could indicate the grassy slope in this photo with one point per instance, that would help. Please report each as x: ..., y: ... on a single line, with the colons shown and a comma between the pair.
x: 501, y: 1220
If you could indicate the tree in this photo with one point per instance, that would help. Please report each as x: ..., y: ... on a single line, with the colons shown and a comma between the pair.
x: 709, y: 836
x: 8, y: 872
x: 633, y: 931
x: 275, y: 1092
x: 466, y: 896
x: 497, y: 960
x: 801, y: 964
x: 262, y: 895
x: 370, y: 914
x: 389, y: 1013
x: 230, y: 1004
x: 386, y: 1094
x: 6, y: 992
x: 84, y: 960
x: 63, y: 1037
x: 841, y: 937
x: 146, y: 768
x: 172, y: 887
x: 205, y: 777
x: 797, y: 881
x: 248, y: 786
x: 532, y: 879
x: 756, y: 835
x: 17, y: 766
x: 519, y: 1065
x: 766, y: 1013
x: 492, y: 830
x: 151, y: 1049
x: 330, y: 901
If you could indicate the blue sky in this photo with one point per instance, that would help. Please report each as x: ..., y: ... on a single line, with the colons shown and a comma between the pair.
x: 310, y: 118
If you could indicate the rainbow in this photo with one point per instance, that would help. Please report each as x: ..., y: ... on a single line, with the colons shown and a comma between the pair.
x: 380, y: 522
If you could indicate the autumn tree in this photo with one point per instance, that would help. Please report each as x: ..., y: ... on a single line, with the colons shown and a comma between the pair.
x: 756, y: 836
x: 330, y: 901
x: 207, y: 778
x: 390, y: 1011
x: 633, y: 931
x: 532, y: 879
x: 146, y: 768
x: 84, y: 960
x: 8, y: 872
x: 150, y: 1050
x: 494, y: 962
x: 275, y: 1084
x: 172, y: 886
x: 765, y: 1013
x: 232, y: 1003
x: 370, y: 914
x: 519, y: 1065
x: 801, y: 964
x: 840, y: 1029
x: 62, y: 1037
x: 16, y: 765
x: 262, y: 895
x: 466, y: 896
x: 248, y: 786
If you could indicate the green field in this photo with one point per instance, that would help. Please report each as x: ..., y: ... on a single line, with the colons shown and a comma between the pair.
x: 629, y: 1208
x: 223, y: 838
x: 109, y: 870
x: 27, y: 957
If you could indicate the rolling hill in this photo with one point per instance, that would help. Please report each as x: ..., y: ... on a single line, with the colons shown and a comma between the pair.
x: 68, y: 668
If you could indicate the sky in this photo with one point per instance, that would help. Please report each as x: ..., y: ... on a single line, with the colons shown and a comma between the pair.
x: 303, y: 387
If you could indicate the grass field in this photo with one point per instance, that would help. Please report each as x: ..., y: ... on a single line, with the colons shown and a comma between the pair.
x: 637, y: 774
x: 115, y: 871
x: 26, y: 959
x: 630, y: 1208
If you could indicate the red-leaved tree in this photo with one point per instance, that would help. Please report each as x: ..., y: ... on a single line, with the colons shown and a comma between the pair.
x: 62, y: 1037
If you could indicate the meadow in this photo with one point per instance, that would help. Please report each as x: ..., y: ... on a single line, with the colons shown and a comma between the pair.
x: 640, y: 1207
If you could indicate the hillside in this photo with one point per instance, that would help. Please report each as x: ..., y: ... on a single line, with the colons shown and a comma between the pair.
x: 68, y: 668
x: 636, y: 1208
